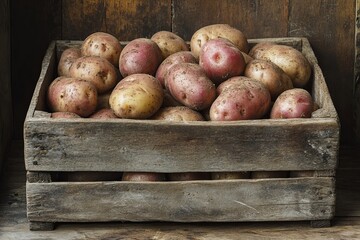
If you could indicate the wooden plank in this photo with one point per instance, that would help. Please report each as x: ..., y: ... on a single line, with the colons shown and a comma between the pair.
x: 256, y: 19
x: 191, y: 201
x: 332, y: 38
x: 6, y: 120
x: 126, y: 145
x: 357, y: 72
x: 126, y: 20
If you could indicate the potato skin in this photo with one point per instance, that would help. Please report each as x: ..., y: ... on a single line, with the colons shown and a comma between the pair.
x: 189, y: 176
x: 169, y: 43
x: 104, y: 113
x: 97, y: 70
x: 137, y: 96
x: 64, y: 115
x: 189, y: 85
x: 177, y: 114
x: 140, y: 55
x: 204, y: 34
x: 273, y: 77
x: 143, y: 176
x: 101, y: 44
x: 72, y: 95
x: 291, y: 61
x: 67, y: 58
x: 293, y: 103
x: 170, y: 61
x: 242, y: 99
x: 221, y: 60
x: 257, y: 51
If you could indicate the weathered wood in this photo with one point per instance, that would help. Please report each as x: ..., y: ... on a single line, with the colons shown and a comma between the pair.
x: 192, y: 201
x: 38, y: 177
x: 41, y: 226
x: 126, y: 20
x: 357, y: 72
x: 5, y: 81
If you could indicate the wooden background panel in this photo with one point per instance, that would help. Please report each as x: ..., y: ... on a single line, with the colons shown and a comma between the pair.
x: 257, y: 19
x: 329, y: 26
x: 34, y: 24
x: 126, y: 20
x: 5, y: 81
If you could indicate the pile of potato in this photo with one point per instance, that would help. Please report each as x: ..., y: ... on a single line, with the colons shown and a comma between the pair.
x: 215, y: 78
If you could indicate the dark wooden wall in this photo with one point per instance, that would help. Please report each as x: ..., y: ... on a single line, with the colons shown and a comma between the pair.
x: 5, y: 79
x: 328, y: 24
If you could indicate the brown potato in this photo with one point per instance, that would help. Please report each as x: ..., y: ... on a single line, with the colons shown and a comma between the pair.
x: 179, y: 113
x: 259, y: 48
x: 105, y: 113
x: 189, y: 85
x: 143, y: 176
x: 72, y: 95
x: 137, y: 96
x: 67, y: 58
x: 97, y: 70
x: 204, y: 34
x: 101, y: 44
x: 140, y: 55
x: 291, y: 61
x: 240, y: 98
x: 64, y: 115
x: 273, y: 77
x: 169, y: 43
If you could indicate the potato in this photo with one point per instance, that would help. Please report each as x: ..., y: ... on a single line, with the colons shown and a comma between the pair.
x: 92, y: 176
x: 204, y: 34
x: 72, y: 95
x: 169, y: 43
x: 247, y: 57
x: 189, y: 85
x: 101, y: 44
x: 64, y: 115
x: 273, y: 77
x: 269, y: 174
x: 188, y: 176
x: 229, y: 175
x: 179, y: 113
x: 143, y: 176
x: 104, y: 113
x: 293, y: 103
x: 103, y: 100
x: 241, y: 98
x: 137, y: 96
x: 96, y: 70
x: 169, y: 100
x: 221, y: 60
x: 291, y: 61
x: 67, y: 58
x: 170, y: 61
x: 259, y: 48
x: 140, y: 55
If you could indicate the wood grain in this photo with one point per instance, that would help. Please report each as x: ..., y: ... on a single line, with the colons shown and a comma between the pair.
x: 357, y: 72
x: 191, y: 201
x: 126, y: 20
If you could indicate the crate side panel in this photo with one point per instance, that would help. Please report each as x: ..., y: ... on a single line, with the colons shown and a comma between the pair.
x: 121, y: 145
x: 192, y: 201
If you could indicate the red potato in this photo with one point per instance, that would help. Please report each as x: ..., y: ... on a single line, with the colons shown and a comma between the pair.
x: 143, y: 176
x: 179, y: 113
x: 137, y: 96
x: 169, y: 43
x: 221, y: 60
x: 240, y: 99
x: 105, y: 113
x: 170, y: 61
x: 272, y: 76
x: 72, y: 95
x: 96, y: 70
x: 64, y: 115
x: 66, y: 60
x: 101, y: 44
x: 293, y: 103
x: 140, y: 55
x: 189, y: 85
x: 189, y: 176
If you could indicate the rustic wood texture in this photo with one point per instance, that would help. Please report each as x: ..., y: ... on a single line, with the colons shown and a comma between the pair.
x: 5, y: 81
x: 357, y: 72
x: 126, y: 20
x: 190, y: 201
x: 14, y: 224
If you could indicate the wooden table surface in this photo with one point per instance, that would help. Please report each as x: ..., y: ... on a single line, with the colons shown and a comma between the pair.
x: 346, y: 225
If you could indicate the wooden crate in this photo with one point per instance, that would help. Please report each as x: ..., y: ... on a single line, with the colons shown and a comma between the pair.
x: 117, y: 145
